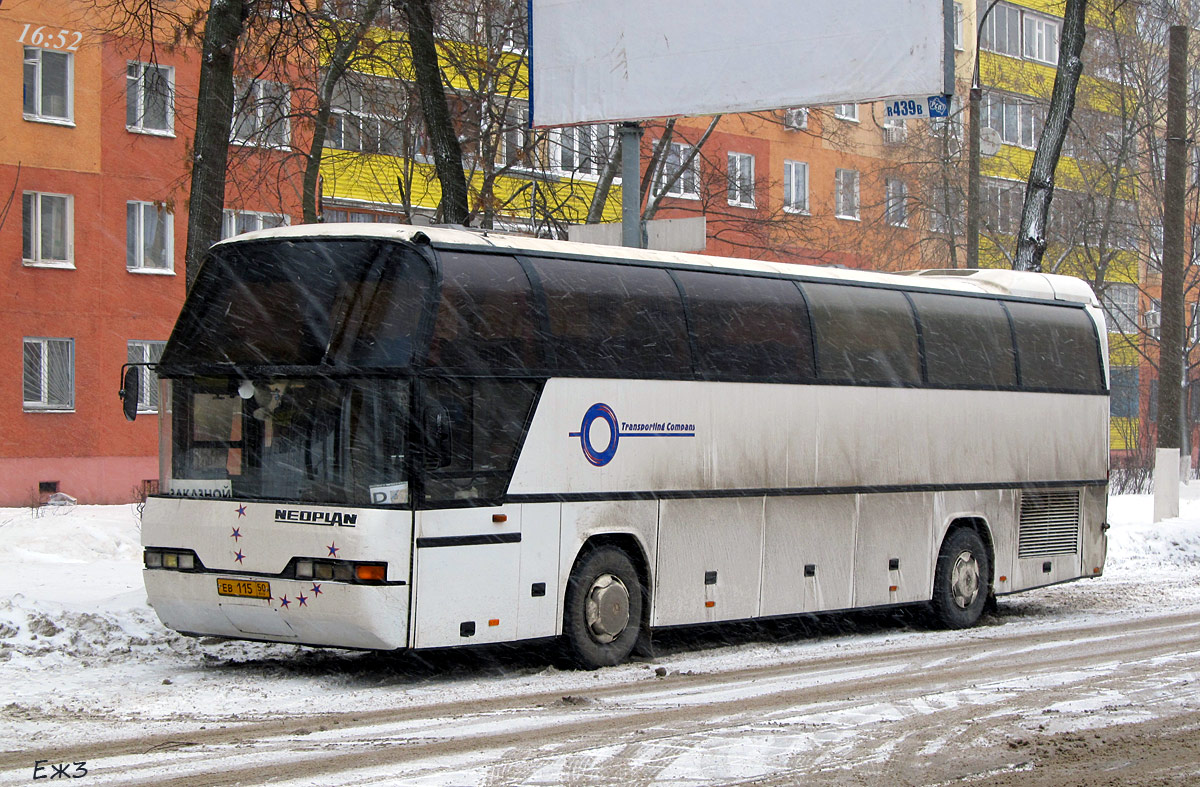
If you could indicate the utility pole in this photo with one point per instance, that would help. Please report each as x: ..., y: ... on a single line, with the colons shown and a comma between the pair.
x: 1170, y: 341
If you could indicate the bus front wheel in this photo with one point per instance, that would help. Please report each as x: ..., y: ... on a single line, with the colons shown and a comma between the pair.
x: 960, y: 584
x: 603, y: 609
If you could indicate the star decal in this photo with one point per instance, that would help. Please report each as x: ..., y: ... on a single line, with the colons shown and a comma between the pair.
x: 236, y: 535
x: 241, y: 511
x: 333, y: 549
x: 238, y: 556
x: 316, y: 589
x: 283, y: 602
x: 302, y: 599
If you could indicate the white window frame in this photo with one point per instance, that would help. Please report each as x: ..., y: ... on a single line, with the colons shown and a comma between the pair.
x: 35, y: 258
x: 143, y: 351
x: 1016, y: 114
x: 1040, y: 38
x: 1119, y: 303
x: 846, y: 193
x: 513, y: 148
x: 582, y: 151
x: 795, y: 187
x: 43, y: 402
x: 687, y: 185
x: 251, y: 104
x: 135, y: 89
x: 940, y: 221
x: 1004, y: 18
x: 896, y: 202
x: 740, y: 187
x: 958, y: 26
x: 230, y: 219
x: 1194, y: 324
x: 34, y: 57
x: 846, y: 112
x: 138, y: 262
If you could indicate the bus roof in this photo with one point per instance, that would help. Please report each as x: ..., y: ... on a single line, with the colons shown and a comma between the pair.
x: 1043, y: 286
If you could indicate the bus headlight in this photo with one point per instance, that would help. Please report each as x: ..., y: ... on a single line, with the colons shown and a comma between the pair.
x: 177, y: 559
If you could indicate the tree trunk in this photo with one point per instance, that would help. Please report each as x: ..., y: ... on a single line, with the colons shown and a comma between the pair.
x: 210, y: 147
x: 1171, y: 340
x: 447, y: 152
x: 1031, y: 242
x: 335, y: 69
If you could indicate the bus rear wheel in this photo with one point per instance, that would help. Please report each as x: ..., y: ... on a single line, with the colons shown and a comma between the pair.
x: 603, y: 609
x: 960, y: 583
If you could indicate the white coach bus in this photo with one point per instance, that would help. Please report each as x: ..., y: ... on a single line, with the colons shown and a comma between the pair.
x: 389, y: 437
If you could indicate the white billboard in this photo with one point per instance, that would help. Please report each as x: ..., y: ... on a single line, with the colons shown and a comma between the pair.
x: 610, y: 60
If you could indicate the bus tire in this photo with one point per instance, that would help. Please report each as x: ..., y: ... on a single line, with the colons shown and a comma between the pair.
x: 960, y: 580
x: 602, y: 615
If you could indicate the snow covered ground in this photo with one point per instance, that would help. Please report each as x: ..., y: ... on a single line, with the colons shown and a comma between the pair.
x: 82, y: 657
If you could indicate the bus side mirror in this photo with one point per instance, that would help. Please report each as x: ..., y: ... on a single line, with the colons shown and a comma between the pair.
x: 131, y: 389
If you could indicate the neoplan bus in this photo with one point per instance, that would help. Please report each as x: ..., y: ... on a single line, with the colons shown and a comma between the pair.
x: 388, y: 437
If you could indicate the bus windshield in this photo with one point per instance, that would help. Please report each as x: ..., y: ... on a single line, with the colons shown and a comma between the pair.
x: 335, y: 303
x: 317, y: 440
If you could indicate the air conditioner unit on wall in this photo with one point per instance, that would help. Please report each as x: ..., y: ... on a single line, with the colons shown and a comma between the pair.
x: 795, y: 119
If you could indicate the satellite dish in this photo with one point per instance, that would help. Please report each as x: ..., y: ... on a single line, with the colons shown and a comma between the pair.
x: 989, y: 141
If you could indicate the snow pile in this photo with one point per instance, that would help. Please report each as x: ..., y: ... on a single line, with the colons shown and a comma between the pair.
x: 1135, y: 544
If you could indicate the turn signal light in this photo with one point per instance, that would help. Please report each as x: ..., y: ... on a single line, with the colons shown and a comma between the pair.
x: 371, y: 573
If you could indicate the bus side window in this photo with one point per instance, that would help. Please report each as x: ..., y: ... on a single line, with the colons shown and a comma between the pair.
x: 1056, y: 347
x: 864, y: 335
x: 485, y: 316
x: 748, y: 328
x: 622, y: 320
x: 967, y: 341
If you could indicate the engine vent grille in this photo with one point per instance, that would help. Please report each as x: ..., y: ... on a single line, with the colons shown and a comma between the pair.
x: 1049, y: 524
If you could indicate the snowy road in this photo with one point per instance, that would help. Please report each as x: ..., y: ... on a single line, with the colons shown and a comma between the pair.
x: 1096, y: 682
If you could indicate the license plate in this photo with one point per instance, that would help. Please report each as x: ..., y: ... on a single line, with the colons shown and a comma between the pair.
x: 243, y: 588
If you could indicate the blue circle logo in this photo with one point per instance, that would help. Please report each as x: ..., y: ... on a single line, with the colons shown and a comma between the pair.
x: 603, y: 412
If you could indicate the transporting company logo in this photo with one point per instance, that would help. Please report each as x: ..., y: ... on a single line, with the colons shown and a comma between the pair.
x: 600, y: 418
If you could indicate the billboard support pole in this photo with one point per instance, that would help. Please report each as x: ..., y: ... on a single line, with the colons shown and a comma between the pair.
x: 631, y: 191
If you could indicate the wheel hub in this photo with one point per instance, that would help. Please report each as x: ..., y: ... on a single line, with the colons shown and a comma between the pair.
x: 964, y: 580
x: 607, y: 609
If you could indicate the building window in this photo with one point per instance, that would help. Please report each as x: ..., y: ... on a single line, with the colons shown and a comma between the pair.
x: 365, y: 117
x: 958, y: 26
x: 1017, y: 120
x: 1002, y: 203
x: 149, y: 98
x: 845, y: 194
x: 47, y: 85
x: 261, y: 111
x: 896, y: 207
x: 49, y: 374
x: 46, y: 229
x: 688, y: 182
x: 514, y: 145
x: 148, y: 237
x: 235, y: 222
x: 1193, y: 324
x: 146, y: 352
x: 1120, y: 307
x: 1041, y: 39
x: 741, y: 179
x: 846, y: 112
x: 895, y: 130
x: 1001, y: 31
x: 946, y: 211
x: 1123, y: 392
x: 795, y: 186
x: 582, y: 150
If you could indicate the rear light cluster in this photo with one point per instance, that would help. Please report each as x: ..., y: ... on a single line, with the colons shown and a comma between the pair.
x: 177, y: 559
x: 341, y: 571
